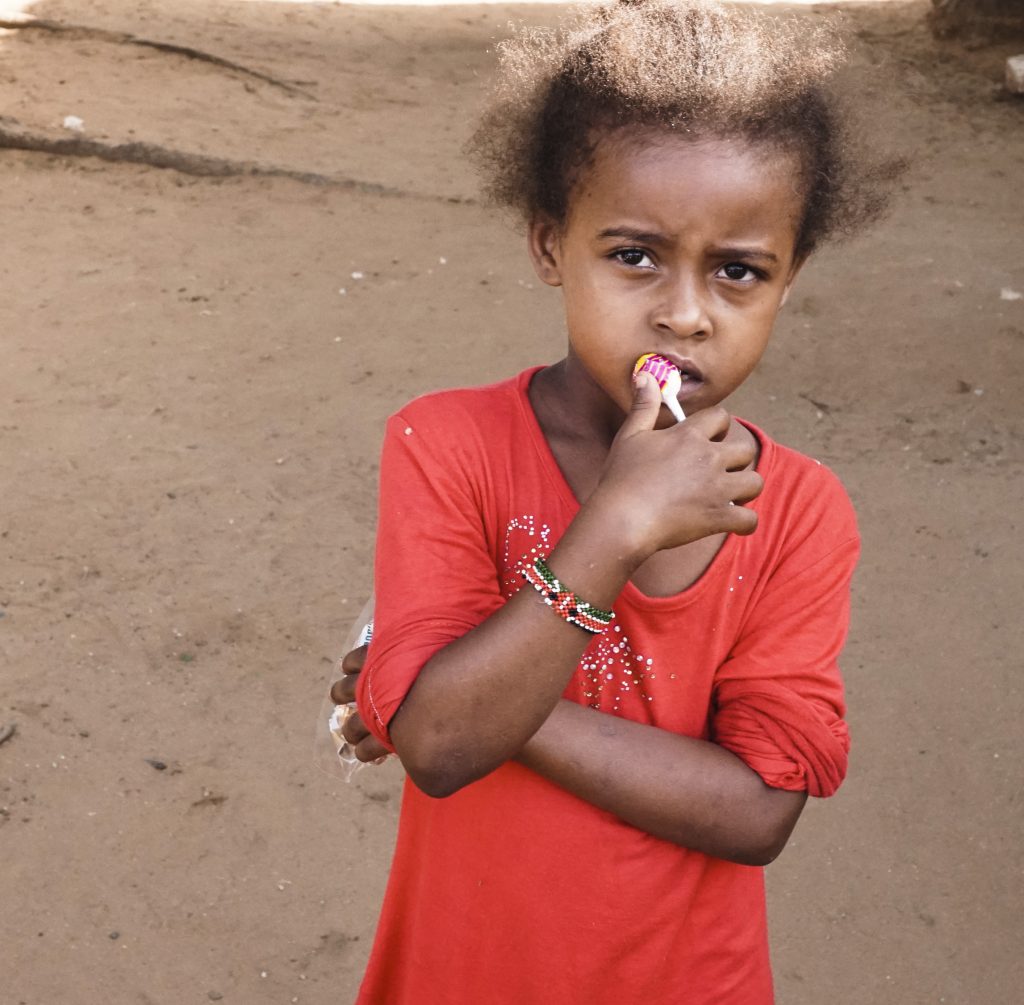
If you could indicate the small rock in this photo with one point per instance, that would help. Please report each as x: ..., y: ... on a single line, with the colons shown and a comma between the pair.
x: 114, y: 936
x: 77, y: 125
x: 154, y: 763
x: 214, y: 996
x: 1007, y: 294
x: 1015, y: 74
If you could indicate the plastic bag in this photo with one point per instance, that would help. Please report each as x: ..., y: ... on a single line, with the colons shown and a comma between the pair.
x: 331, y: 750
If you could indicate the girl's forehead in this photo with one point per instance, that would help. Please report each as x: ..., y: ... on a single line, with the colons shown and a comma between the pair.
x: 667, y: 175
x: 651, y: 152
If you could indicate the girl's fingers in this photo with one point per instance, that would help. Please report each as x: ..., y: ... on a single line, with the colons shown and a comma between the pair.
x: 371, y: 750
x: 646, y: 405
x: 745, y: 485
x: 737, y: 455
x: 714, y: 422
x: 352, y: 662
x: 344, y: 691
x: 366, y: 746
x: 354, y: 729
x: 740, y: 520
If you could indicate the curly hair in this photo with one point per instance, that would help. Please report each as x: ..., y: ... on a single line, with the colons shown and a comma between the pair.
x: 690, y: 67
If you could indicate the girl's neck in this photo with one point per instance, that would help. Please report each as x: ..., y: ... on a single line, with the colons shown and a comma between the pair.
x: 570, y: 407
x: 579, y: 423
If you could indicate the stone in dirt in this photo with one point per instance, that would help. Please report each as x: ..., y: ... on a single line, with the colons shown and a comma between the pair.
x: 1015, y: 74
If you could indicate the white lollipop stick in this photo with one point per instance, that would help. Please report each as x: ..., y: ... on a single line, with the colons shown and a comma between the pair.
x: 672, y: 386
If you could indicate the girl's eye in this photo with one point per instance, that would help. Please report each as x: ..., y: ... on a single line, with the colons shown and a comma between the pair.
x: 738, y: 272
x: 634, y: 257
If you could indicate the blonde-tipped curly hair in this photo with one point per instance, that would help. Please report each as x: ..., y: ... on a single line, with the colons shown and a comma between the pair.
x: 692, y: 68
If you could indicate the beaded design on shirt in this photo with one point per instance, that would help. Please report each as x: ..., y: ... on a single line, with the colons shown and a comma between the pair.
x: 609, y: 673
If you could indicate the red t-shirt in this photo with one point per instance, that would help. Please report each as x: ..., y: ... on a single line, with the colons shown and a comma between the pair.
x: 513, y: 891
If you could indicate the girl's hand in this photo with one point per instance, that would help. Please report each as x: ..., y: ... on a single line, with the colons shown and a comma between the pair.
x: 672, y: 486
x: 343, y: 692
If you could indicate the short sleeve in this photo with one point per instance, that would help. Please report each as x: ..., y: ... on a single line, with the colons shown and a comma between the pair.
x: 434, y: 574
x: 778, y: 698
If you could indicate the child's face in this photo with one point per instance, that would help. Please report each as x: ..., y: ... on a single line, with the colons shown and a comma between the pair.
x: 677, y: 247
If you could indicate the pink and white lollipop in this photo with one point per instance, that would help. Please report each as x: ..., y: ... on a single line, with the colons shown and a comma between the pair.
x: 666, y: 373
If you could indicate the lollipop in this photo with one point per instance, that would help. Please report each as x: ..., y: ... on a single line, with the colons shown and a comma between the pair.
x: 666, y: 373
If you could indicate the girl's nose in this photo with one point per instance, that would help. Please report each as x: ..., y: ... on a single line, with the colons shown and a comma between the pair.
x: 682, y: 310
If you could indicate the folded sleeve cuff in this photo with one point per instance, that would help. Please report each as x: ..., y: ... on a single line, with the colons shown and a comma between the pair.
x: 792, y: 743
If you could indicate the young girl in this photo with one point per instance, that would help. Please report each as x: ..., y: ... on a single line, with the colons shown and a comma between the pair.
x: 596, y: 780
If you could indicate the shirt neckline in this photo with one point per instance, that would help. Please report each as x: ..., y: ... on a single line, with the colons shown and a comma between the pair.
x: 631, y: 592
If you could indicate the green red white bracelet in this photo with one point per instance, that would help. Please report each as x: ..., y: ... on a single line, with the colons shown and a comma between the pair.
x: 564, y: 602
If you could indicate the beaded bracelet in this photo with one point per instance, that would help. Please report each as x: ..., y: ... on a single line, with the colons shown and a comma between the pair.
x: 564, y: 602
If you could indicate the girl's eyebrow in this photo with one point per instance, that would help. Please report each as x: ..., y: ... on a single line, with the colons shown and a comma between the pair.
x: 766, y: 256
x: 641, y: 236
x: 651, y: 237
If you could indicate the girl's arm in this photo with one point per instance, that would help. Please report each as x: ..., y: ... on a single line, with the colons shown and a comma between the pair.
x: 684, y: 790
x: 475, y: 703
x: 691, y: 792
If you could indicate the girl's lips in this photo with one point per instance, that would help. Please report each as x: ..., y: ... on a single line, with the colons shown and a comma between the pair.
x: 689, y: 371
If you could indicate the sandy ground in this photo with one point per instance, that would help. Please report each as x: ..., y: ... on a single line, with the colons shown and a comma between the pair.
x: 193, y: 386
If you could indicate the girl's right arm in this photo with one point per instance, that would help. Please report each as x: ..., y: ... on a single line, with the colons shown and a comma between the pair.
x: 478, y: 700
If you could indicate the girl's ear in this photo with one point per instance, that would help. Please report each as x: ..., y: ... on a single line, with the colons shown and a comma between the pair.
x: 543, y: 243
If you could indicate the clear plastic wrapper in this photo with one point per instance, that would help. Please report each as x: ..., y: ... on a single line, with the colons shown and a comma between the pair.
x: 331, y: 750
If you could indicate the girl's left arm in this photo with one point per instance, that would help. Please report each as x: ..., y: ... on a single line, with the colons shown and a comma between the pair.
x: 777, y: 728
x: 691, y: 792
x: 688, y: 791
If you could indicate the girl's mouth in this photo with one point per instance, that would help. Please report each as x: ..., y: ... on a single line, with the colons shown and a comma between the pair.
x: 689, y: 374
x: 677, y: 378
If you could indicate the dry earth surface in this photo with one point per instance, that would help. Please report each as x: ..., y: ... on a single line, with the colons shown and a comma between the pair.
x: 196, y: 370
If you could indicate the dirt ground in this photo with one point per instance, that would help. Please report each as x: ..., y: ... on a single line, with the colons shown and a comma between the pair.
x: 195, y: 374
